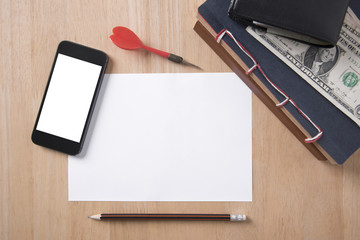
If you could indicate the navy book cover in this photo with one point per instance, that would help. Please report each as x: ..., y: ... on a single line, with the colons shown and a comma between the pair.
x: 341, y: 136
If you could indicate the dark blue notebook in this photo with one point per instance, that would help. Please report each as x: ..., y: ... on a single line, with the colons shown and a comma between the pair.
x: 341, y: 136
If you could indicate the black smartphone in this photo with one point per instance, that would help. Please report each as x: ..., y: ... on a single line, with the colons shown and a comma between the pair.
x: 69, y: 99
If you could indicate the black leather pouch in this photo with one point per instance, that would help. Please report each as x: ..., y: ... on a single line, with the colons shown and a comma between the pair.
x: 313, y: 21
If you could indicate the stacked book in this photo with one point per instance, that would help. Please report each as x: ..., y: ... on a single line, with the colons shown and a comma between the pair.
x: 256, y: 56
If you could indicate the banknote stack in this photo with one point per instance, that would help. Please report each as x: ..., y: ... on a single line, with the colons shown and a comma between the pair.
x: 333, y: 72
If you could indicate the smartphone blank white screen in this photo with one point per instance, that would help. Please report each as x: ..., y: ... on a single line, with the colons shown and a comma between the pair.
x: 68, y: 97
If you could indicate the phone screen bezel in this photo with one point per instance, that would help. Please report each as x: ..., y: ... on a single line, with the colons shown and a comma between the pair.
x: 86, y: 54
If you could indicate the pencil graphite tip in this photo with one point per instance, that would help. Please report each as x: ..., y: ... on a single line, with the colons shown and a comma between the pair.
x: 96, y: 217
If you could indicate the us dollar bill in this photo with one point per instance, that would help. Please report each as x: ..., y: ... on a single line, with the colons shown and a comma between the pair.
x: 333, y: 72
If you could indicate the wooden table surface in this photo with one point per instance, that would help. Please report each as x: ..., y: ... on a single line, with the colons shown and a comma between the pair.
x: 294, y: 195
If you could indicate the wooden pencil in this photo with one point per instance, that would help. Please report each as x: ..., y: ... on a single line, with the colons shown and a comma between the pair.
x: 167, y: 216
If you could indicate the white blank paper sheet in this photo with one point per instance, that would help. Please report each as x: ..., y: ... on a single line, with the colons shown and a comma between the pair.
x: 167, y: 137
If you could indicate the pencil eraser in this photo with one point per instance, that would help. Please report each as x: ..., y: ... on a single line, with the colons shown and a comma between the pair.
x: 237, y: 217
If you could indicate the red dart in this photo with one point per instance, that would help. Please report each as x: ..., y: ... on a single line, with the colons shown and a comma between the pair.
x: 126, y: 39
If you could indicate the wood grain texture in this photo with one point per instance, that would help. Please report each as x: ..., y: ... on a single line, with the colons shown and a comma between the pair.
x: 294, y: 195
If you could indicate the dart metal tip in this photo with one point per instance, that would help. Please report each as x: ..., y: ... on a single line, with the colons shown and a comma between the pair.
x: 190, y: 64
